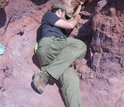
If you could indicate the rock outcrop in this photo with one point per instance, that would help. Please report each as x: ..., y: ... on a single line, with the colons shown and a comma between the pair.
x: 101, y: 72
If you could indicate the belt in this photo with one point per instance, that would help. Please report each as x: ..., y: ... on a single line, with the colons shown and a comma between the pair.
x: 56, y: 38
x: 59, y: 38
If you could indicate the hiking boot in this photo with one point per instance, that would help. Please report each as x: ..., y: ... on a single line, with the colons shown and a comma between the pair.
x: 41, y: 78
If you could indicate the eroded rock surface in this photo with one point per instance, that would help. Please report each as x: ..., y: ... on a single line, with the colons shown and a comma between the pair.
x: 100, y: 86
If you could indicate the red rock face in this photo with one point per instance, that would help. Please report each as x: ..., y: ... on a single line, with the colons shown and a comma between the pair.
x: 107, y: 53
x: 101, y: 28
x: 107, y: 44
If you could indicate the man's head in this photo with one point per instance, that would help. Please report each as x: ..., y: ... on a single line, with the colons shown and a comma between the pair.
x: 61, y: 11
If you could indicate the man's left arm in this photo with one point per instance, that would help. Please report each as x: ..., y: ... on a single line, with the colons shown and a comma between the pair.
x: 79, y: 7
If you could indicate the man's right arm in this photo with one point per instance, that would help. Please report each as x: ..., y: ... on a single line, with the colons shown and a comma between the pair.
x: 68, y: 24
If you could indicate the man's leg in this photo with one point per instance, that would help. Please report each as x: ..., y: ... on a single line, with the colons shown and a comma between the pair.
x: 69, y: 82
x: 56, y: 55
x: 71, y: 50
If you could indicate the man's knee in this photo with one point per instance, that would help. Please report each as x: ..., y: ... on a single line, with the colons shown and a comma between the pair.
x: 69, y: 75
x: 72, y: 76
x: 82, y: 46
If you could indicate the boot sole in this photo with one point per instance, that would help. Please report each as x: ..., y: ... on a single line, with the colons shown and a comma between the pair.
x: 36, y: 87
x: 34, y: 83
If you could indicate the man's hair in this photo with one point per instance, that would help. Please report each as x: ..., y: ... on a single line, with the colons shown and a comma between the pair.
x: 56, y: 9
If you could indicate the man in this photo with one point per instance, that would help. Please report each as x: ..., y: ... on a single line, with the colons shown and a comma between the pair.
x: 56, y: 53
x: 4, y: 3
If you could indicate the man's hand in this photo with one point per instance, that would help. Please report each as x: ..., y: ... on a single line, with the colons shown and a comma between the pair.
x: 79, y: 7
x: 77, y: 16
x: 83, y: 1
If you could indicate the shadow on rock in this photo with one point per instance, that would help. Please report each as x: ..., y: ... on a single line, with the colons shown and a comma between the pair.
x: 36, y: 61
x: 35, y: 57
x: 2, y: 17
x: 39, y: 2
x: 85, y: 34
x: 39, y: 34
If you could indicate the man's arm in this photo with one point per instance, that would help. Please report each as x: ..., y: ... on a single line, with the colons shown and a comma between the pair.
x: 70, y: 24
x: 79, y: 7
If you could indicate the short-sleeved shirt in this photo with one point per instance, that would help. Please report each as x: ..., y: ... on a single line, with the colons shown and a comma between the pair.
x: 48, y: 28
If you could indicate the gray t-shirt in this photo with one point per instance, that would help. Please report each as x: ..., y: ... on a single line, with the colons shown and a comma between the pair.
x: 48, y: 28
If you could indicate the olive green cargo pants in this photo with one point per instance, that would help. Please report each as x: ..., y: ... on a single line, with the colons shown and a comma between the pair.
x: 55, y: 56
